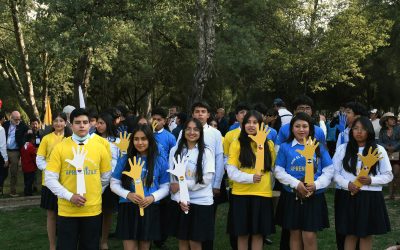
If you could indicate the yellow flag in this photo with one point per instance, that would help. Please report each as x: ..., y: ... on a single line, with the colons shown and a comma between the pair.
x: 47, y: 115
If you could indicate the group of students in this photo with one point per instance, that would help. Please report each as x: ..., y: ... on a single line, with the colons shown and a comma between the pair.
x: 254, y: 164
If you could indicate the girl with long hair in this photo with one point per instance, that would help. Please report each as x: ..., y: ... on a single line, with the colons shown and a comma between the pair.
x: 251, y: 209
x: 197, y: 225
x: 107, y: 130
x: 361, y: 212
x: 302, y: 206
x: 135, y: 230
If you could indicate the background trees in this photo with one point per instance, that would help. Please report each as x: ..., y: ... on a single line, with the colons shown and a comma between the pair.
x: 172, y: 52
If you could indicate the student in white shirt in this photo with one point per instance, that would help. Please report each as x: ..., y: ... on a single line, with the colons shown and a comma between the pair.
x: 106, y: 129
x: 198, y: 225
x: 360, y: 212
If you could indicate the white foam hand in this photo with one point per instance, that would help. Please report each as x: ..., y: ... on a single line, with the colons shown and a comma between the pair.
x: 78, y: 162
x: 79, y: 158
x: 179, y: 171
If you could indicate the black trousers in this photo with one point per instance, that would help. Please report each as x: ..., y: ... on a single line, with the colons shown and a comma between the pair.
x: 78, y: 232
x: 28, y: 183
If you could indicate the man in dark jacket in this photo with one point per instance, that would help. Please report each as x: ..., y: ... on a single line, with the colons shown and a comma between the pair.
x: 15, y: 130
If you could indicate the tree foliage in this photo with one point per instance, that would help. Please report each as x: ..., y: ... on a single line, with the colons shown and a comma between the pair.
x: 149, y: 53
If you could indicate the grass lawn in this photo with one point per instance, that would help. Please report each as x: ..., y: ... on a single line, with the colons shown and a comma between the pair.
x: 26, y: 229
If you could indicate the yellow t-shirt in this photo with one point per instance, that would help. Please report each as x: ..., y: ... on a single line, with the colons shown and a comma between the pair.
x: 231, y: 136
x: 46, y: 147
x: 97, y: 161
x: 262, y: 188
x: 103, y: 141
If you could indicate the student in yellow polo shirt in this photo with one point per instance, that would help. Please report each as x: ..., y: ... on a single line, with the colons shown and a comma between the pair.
x: 251, y: 205
x: 78, y: 169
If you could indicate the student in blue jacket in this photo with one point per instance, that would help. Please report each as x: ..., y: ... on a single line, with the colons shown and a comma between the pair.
x: 302, y: 207
x: 137, y: 231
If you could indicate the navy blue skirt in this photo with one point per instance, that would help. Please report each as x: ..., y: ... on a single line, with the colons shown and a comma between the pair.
x: 362, y: 214
x: 250, y: 215
x: 132, y: 226
x: 109, y: 200
x: 309, y: 214
x: 197, y: 225
x: 48, y: 200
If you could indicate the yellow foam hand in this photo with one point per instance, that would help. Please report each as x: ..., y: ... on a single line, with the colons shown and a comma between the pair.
x: 259, y: 138
x: 136, y: 174
x: 367, y: 162
x: 154, y: 125
x: 308, y: 153
x: 123, y: 143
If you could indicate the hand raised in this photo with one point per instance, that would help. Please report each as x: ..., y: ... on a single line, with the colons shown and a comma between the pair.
x: 154, y: 125
x: 371, y: 158
x: 309, y: 148
x: 123, y: 143
x: 261, y: 136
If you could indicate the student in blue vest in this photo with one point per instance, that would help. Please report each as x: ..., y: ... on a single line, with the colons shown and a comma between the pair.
x: 137, y: 231
x: 302, y: 207
x: 361, y: 212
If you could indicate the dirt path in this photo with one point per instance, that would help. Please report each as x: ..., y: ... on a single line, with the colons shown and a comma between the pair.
x: 25, y: 201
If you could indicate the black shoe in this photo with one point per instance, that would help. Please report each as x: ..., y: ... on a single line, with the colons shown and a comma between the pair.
x: 267, y: 241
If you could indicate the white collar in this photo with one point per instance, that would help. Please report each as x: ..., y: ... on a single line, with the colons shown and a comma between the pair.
x: 295, y: 142
x: 206, y: 126
x: 159, y: 131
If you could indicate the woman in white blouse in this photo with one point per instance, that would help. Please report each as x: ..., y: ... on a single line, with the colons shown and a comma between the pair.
x: 360, y: 212
x: 193, y: 223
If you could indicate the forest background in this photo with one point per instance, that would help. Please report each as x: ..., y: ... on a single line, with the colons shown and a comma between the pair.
x: 148, y: 53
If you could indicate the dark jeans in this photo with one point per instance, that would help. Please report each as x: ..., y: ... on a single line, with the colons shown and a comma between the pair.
x: 3, y: 172
x: 28, y: 183
x: 78, y: 232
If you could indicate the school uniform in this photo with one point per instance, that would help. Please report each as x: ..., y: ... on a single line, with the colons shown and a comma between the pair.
x: 130, y: 225
x: 78, y: 226
x: 198, y: 224
x: 48, y: 200
x: 293, y: 213
x: 364, y: 213
x: 251, y: 211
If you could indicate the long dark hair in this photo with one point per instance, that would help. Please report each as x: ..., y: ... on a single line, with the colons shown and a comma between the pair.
x: 152, y: 154
x: 278, y: 122
x: 67, y: 130
x: 247, y: 157
x: 182, y: 145
x: 110, y: 127
x: 350, y: 157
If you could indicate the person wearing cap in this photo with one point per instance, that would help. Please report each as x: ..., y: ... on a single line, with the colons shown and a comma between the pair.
x: 389, y: 138
x: 286, y: 116
x: 374, y: 117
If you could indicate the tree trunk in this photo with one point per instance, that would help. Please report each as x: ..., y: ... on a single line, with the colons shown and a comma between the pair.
x: 45, y: 79
x: 82, y: 75
x: 206, y: 44
x: 26, y: 81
